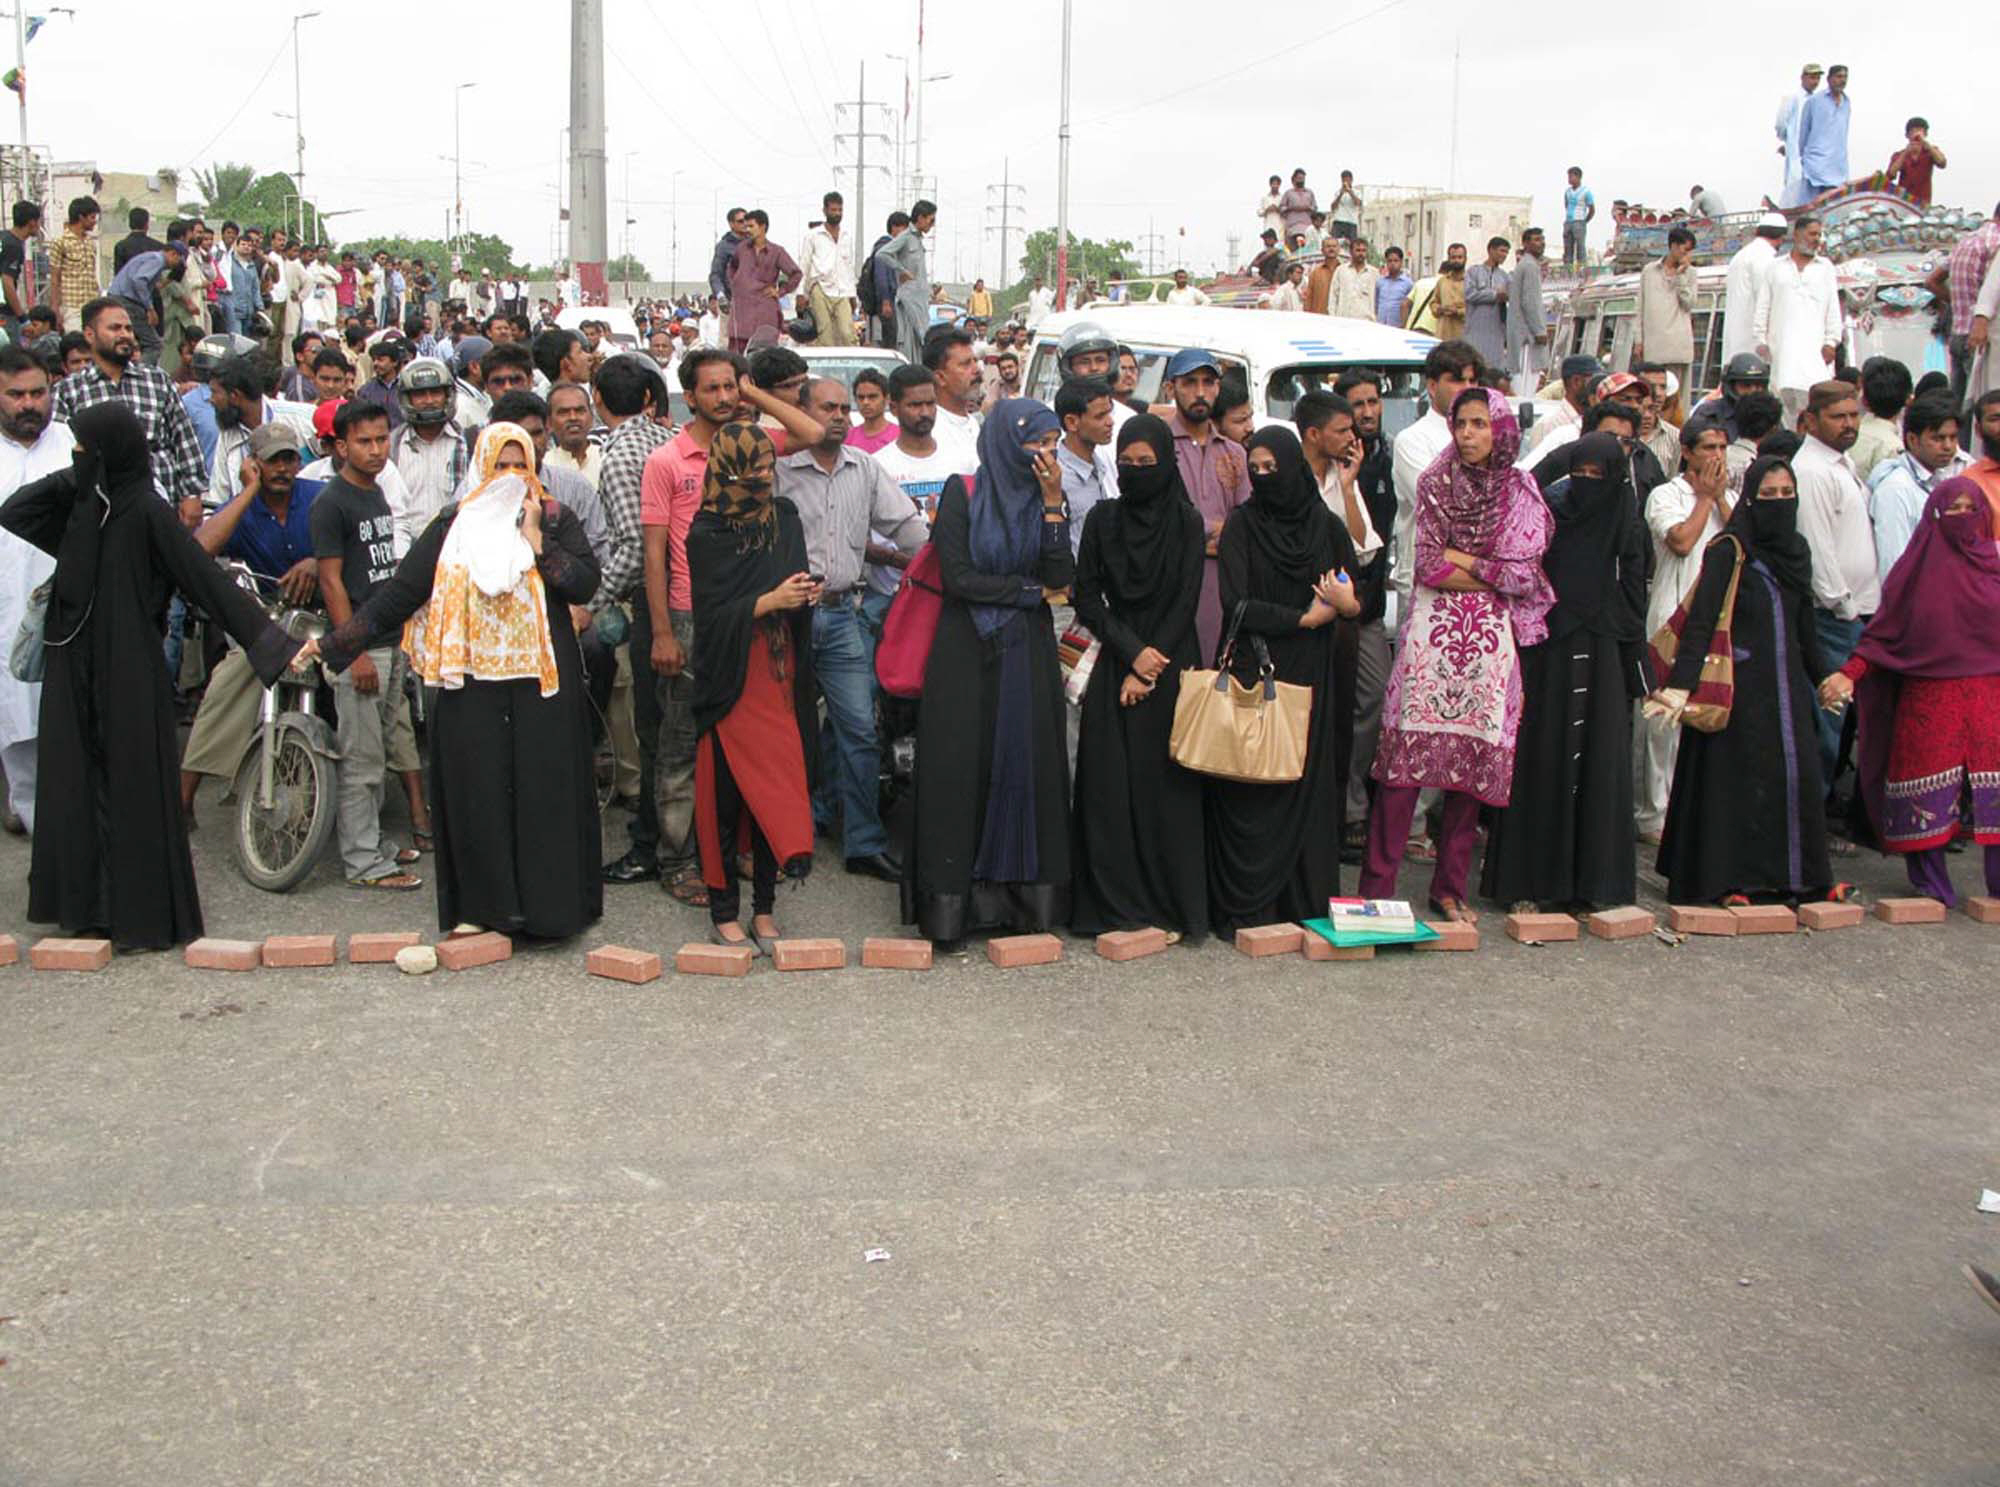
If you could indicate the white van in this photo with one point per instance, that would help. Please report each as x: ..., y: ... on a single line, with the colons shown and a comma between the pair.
x: 1283, y: 354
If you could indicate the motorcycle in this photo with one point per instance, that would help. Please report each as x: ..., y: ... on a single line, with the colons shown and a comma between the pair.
x: 287, y: 786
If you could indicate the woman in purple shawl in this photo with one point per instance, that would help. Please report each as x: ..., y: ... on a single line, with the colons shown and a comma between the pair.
x: 1453, y: 705
x: 1926, y: 675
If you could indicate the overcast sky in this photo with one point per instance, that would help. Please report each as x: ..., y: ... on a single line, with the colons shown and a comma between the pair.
x: 1177, y: 118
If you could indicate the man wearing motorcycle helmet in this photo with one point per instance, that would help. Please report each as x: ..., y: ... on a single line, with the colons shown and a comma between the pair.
x: 429, y: 449
x: 1087, y: 352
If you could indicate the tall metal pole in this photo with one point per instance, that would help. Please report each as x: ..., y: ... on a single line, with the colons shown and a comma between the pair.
x: 587, y: 235
x: 860, y: 217
x: 917, y: 188
x: 457, y: 171
x: 21, y: 71
x: 1062, y: 176
x: 1006, y: 197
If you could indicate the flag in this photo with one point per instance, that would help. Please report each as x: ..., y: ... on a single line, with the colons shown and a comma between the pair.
x: 15, y: 79
x: 35, y: 23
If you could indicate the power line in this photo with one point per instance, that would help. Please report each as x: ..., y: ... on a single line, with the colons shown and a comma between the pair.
x: 691, y: 138
x: 247, y: 99
x: 732, y: 105
x: 1006, y: 208
x: 785, y: 77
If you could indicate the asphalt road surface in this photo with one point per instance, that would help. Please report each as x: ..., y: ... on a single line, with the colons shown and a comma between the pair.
x: 1592, y: 1213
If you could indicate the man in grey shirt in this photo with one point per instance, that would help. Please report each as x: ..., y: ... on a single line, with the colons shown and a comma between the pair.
x: 905, y: 255
x: 841, y: 494
x: 1527, y: 324
x: 1486, y: 286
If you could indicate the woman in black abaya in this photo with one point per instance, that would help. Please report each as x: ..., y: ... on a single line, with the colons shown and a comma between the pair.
x: 110, y: 850
x: 1746, y: 819
x: 1139, y: 857
x: 514, y: 799
x: 1285, y: 567
x: 990, y: 845
x: 1565, y: 836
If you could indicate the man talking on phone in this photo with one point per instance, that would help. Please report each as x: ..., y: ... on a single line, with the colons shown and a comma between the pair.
x: 841, y: 495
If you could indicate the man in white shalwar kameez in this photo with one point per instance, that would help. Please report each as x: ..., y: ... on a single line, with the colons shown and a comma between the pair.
x: 30, y: 447
x: 1791, y: 114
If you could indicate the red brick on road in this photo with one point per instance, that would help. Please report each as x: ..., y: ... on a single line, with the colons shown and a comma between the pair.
x: 1700, y: 919
x: 1009, y: 951
x: 714, y: 960
x: 1318, y: 947
x: 464, y: 952
x: 1909, y: 911
x: 1453, y: 934
x: 1831, y: 916
x: 809, y: 955
x: 1984, y: 910
x: 379, y: 949
x: 1628, y: 923
x: 224, y: 955
x: 10, y: 950
x: 881, y: 953
x: 618, y: 963
x: 1131, y: 944
x: 1269, y: 939
x: 1547, y: 928
x: 58, y: 954
x: 293, y: 951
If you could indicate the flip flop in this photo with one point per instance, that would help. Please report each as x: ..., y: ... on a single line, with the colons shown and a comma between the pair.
x: 388, y: 882
x: 424, y: 841
x: 689, y: 889
x: 408, y: 855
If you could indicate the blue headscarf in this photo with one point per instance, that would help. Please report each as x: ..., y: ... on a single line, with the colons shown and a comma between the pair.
x: 1006, y: 509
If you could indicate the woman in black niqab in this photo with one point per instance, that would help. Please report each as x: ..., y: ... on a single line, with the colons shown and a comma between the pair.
x: 1274, y: 850
x: 111, y: 852
x: 1139, y: 858
x: 1565, y: 836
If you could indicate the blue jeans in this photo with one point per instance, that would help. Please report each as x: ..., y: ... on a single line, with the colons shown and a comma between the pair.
x: 1837, y: 639
x: 176, y: 631
x: 844, y: 660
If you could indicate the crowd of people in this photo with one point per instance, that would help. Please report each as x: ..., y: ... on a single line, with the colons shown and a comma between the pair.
x: 671, y: 571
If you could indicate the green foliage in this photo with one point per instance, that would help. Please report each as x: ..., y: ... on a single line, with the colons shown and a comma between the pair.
x: 233, y: 195
x: 482, y: 250
x: 223, y: 182
x: 625, y: 266
x: 1088, y: 259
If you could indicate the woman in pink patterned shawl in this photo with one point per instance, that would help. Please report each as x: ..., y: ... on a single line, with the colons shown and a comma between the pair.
x: 1454, y: 699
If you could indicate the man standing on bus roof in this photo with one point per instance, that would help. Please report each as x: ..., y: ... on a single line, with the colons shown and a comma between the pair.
x: 1823, y: 122
x: 1666, y: 307
x: 1791, y: 114
x: 1579, y: 206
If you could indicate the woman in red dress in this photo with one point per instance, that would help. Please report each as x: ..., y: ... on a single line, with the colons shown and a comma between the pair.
x: 752, y: 689
x: 1926, y: 675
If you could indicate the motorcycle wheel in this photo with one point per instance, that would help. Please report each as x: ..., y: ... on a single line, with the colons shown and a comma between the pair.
x: 277, y: 849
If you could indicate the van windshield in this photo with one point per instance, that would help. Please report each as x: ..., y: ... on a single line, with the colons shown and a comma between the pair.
x: 1043, y: 379
x: 1402, y: 390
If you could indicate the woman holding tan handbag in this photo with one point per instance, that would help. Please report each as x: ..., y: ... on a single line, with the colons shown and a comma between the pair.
x: 1746, y: 819
x: 1284, y: 565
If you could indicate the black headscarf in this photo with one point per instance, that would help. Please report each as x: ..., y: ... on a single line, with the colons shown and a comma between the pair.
x: 1147, y: 521
x: 113, y: 470
x: 1290, y: 528
x: 1592, y: 522
x: 1769, y: 530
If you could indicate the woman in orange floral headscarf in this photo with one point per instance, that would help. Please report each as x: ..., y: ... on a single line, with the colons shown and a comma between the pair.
x: 484, y: 596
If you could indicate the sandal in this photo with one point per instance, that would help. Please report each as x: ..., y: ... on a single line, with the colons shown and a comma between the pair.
x: 1455, y: 910
x: 1420, y: 851
x: 1842, y: 893
x: 688, y: 888
x: 1735, y: 901
x: 389, y: 882
x: 1840, y: 846
x: 424, y: 841
x: 408, y: 855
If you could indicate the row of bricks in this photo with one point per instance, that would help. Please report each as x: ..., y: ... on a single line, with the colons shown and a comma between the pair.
x: 464, y: 952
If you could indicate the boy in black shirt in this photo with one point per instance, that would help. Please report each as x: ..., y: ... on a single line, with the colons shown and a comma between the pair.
x: 353, y: 534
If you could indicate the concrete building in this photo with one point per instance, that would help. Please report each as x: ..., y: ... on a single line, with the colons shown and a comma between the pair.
x: 1424, y: 220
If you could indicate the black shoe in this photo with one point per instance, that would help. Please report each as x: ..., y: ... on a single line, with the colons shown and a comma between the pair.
x: 880, y: 865
x: 1984, y: 1284
x: 631, y: 868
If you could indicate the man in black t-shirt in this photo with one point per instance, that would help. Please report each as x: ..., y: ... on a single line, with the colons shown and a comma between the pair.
x: 14, y: 285
x: 354, y: 540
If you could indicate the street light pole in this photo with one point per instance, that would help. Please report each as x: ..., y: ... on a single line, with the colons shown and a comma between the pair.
x: 919, y: 163
x: 1062, y: 178
x: 628, y: 225
x: 457, y: 171
x: 298, y: 119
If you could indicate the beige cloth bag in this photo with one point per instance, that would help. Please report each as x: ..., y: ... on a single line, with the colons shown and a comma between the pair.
x: 1256, y: 734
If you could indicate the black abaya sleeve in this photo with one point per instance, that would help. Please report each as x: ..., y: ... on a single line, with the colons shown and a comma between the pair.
x: 395, y: 601
x: 1088, y: 595
x: 1634, y: 566
x: 1717, y: 565
x: 201, y: 579
x: 951, y: 535
x: 1232, y: 558
x: 1807, y: 629
x: 569, y: 568
x: 39, y: 510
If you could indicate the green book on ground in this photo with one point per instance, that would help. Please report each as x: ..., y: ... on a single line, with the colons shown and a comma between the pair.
x: 1348, y: 941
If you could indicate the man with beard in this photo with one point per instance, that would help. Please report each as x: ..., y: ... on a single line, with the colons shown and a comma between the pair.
x: 570, y: 417
x: 843, y: 496
x: 1212, y: 468
x: 236, y: 389
x: 1833, y: 518
x: 114, y: 373
x: 267, y: 526
x: 829, y: 278
x: 1006, y: 380
x: 1985, y: 471
x: 31, y: 446
x: 955, y: 368
x: 1374, y: 480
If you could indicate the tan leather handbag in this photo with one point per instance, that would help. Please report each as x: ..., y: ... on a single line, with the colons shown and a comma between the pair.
x: 1256, y: 734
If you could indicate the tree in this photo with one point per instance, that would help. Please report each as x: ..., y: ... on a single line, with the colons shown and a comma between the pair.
x: 480, y: 250
x: 234, y: 193
x: 625, y: 266
x: 1087, y: 260
x: 223, y: 182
